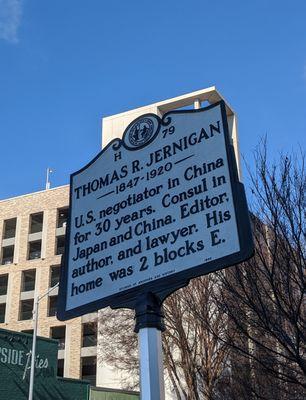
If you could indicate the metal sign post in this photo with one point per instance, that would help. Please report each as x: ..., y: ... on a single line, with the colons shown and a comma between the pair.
x: 149, y: 325
x: 151, y: 364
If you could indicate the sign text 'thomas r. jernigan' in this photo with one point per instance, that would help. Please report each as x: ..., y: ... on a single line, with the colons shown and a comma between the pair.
x: 152, y: 205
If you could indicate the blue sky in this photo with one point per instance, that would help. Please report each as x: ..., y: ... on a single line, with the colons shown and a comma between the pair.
x: 64, y: 64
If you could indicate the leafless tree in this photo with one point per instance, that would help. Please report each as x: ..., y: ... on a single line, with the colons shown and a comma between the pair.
x: 118, y: 344
x: 264, y: 297
x: 194, y: 356
x: 238, y: 334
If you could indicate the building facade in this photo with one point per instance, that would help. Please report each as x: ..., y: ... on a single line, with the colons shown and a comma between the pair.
x: 32, y: 229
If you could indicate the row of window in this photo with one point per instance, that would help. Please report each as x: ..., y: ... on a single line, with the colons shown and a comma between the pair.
x: 26, y: 309
x: 29, y: 278
x: 89, y: 338
x: 35, y: 226
x: 89, y: 334
x: 34, y: 250
x: 28, y: 284
x: 35, y: 223
x: 88, y: 368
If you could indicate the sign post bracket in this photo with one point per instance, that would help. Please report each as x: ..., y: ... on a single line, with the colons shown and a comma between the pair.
x: 149, y: 325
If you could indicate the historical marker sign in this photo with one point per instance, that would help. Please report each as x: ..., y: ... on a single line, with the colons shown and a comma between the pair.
x: 152, y: 210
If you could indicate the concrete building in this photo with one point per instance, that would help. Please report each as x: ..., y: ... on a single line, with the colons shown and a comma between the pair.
x: 32, y: 231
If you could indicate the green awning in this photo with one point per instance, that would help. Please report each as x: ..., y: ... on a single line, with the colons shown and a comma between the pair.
x: 111, y: 394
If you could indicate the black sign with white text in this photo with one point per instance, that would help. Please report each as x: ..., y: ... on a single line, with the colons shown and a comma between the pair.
x: 153, y: 210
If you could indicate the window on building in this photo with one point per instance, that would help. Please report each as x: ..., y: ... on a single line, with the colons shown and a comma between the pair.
x: 28, y: 280
x: 60, y: 367
x: 59, y: 333
x: 28, y: 331
x: 9, y: 228
x: 26, y: 309
x: 89, y: 334
x: 2, y: 312
x: 34, y: 250
x: 7, y: 255
x: 52, y: 306
x: 3, y: 284
x: 62, y: 217
x: 89, y: 368
x: 60, y: 245
x: 54, y: 275
x: 36, y: 222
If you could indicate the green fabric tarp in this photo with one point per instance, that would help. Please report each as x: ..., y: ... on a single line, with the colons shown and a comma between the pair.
x: 15, y: 360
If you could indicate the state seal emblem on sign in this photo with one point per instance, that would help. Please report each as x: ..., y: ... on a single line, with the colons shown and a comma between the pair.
x: 141, y: 132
